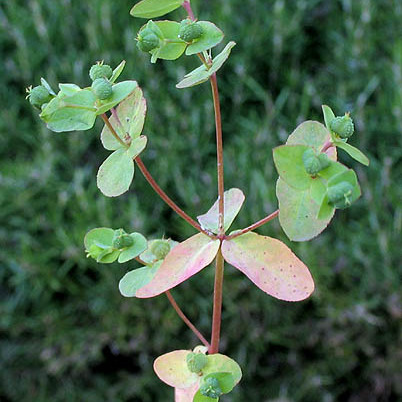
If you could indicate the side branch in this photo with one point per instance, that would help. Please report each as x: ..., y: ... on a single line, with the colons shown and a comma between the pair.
x: 186, y: 320
x: 254, y: 225
x: 166, y: 198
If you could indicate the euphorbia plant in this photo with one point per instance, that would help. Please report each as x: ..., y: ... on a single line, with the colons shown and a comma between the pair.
x: 311, y: 186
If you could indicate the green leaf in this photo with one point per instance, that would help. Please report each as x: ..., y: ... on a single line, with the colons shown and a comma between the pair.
x: 270, y: 265
x: 328, y: 116
x: 218, y: 363
x: 312, y: 134
x: 69, y: 89
x: 120, y: 92
x: 172, y: 369
x: 47, y: 86
x: 353, y: 152
x: 117, y: 71
x: 172, y: 47
x: 154, y: 8
x: 137, y: 146
x: 326, y: 210
x: 226, y: 381
x: 211, y: 36
x: 103, y: 238
x: 134, y: 280
x: 332, y: 170
x: 202, y: 74
x: 198, y: 397
x: 298, y: 211
x: 233, y: 201
x: 70, y: 113
x: 139, y: 245
x: 130, y: 120
x: 182, y: 262
x: 288, y: 160
x: 116, y: 173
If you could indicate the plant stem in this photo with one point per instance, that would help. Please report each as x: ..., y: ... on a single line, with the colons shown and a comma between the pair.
x: 166, y: 198
x: 187, y: 6
x: 219, y: 153
x: 326, y: 146
x: 112, y: 130
x: 186, y: 320
x: 217, y: 311
x: 254, y: 225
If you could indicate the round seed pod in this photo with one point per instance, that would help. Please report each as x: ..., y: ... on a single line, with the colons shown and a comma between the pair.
x: 324, y: 161
x: 160, y: 248
x: 210, y: 387
x: 190, y: 32
x: 339, y: 195
x: 102, y: 88
x: 121, y: 239
x: 196, y: 362
x: 343, y: 126
x: 38, y: 96
x: 100, y: 70
x: 312, y: 166
x: 147, y: 40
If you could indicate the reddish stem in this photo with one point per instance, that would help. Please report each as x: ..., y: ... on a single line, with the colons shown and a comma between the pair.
x: 326, y: 146
x: 254, y: 225
x: 166, y: 198
x: 187, y: 6
x: 186, y: 320
x: 217, y: 311
x: 112, y: 130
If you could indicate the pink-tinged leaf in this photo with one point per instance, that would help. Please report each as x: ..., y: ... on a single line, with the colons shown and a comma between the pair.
x: 233, y: 201
x: 271, y: 265
x: 172, y: 369
x: 182, y: 262
x: 186, y: 394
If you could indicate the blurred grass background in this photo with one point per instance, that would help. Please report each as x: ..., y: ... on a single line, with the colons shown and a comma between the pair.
x: 66, y: 334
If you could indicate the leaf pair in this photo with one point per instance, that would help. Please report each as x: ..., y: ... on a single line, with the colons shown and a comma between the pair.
x: 267, y: 262
x: 116, y: 173
x: 172, y: 369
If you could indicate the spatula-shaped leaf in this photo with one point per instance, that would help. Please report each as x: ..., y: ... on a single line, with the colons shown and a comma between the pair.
x: 211, y: 36
x: 271, y: 265
x: 120, y: 92
x: 138, y: 278
x: 298, y: 211
x: 353, y: 152
x: 116, y: 173
x: 172, y: 369
x: 154, y: 8
x: 139, y: 245
x: 288, y: 160
x: 130, y: 120
x: 328, y: 116
x: 202, y: 74
x: 182, y: 262
x: 233, y: 201
x: 117, y: 71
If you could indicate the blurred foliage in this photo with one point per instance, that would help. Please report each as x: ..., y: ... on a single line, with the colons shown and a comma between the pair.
x: 66, y: 334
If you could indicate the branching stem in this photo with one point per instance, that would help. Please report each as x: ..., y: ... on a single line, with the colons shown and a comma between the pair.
x: 186, y: 320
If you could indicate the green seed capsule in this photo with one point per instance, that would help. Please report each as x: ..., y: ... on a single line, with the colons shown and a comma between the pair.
x: 343, y: 126
x: 339, y: 195
x: 210, y: 387
x: 38, y: 96
x: 324, y: 161
x: 190, y: 32
x: 121, y: 239
x: 312, y: 166
x: 160, y: 248
x: 147, y: 40
x: 100, y: 70
x: 102, y: 88
x: 196, y: 362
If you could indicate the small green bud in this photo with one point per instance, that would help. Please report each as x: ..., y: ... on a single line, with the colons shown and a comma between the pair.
x: 160, y: 248
x: 339, y: 195
x: 121, y: 239
x: 196, y: 362
x: 102, y: 88
x: 94, y: 251
x: 147, y: 40
x: 100, y: 70
x: 313, y: 163
x: 190, y: 31
x: 38, y: 96
x: 343, y: 126
x: 210, y: 387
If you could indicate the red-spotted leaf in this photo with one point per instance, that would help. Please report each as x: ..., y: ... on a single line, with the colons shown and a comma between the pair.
x: 182, y: 262
x: 271, y: 265
x: 172, y: 369
x: 233, y: 201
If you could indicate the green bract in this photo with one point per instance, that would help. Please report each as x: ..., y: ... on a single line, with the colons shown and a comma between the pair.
x: 102, y: 88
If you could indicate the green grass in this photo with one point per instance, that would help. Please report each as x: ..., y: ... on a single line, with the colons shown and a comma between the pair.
x: 66, y: 334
